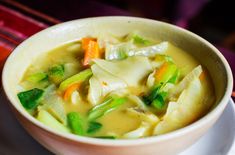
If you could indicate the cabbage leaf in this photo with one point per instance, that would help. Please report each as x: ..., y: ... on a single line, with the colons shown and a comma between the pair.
x: 102, y: 83
x: 141, y: 131
x: 150, y: 51
x: 131, y: 70
x: 188, y: 108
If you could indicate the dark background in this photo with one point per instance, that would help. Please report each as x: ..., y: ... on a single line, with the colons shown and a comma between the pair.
x: 212, y: 19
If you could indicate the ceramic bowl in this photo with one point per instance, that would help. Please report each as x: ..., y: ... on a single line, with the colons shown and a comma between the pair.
x: 167, y: 144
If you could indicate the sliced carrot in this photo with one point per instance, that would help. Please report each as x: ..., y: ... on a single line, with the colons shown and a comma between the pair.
x: 91, y: 52
x: 202, y: 76
x: 161, y: 71
x: 70, y: 90
x: 85, y: 42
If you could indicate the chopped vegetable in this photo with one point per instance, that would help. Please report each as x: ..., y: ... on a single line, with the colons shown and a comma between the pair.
x: 30, y: 98
x: 70, y: 69
x: 148, y: 99
x: 102, y: 83
x: 139, y: 132
x: 86, y: 41
x: 37, y: 77
x: 117, y: 52
x: 156, y: 98
x: 137, y: 39
x: 159, y: 101
x: 144, y: 115
x: 162, y: 57
x: 150, y: 51
x: 99, y: 110
x: 77, y: 78
x: 75, y: 122
x: 55, y: 106
x: 110, y: 104
x: 56, y: 73
x: 70, y: 90
x: 75, y: 97
x: 95, y: 91
x: 175, y: 77
x: 91, y: 52
x: 50, y: 90
x: 131, y: 70
x: 137, y: 101
x: 183, y: 84
x: 202, y: 76
x: 165, y: 73
x: 49, y: 120
x: 93, y: 127
x: 187, y: 109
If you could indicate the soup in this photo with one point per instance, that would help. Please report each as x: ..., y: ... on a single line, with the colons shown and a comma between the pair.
x: 116, y: 87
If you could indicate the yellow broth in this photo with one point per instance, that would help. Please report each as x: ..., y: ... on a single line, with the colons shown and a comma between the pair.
x: 117, y: 122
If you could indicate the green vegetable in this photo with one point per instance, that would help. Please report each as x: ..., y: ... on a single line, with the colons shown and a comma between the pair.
x: 76, y: 123
x: 47, y: 119
x: 140, y: 40
x: 106, y: 137
x: 37, y: 77
x: 31, y: 98
x: 117, y: 51
x: 93, y: 127
x: 175, y: 77
x: 165, y: 73
x: 162, y: 57
x: 156, y: 98
x: 56, y: 73
x: 107, y: 106
x: 80, y: 77
x: 159, y: 102
x: 55, y: 106
x: 148, y: 99
x: 150, y: 51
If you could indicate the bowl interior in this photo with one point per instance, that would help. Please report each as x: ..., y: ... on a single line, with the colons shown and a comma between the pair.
x: 52, y: 37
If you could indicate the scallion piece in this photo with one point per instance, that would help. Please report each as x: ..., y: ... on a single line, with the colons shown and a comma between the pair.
x: 77, y: 78
x: 75, y: 122
x: 159, y: 102
x: 107, y: 106
x: 37, y: 77
x: 94, y: 127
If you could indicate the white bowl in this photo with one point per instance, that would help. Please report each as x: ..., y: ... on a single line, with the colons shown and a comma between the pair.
x: 170, y: 143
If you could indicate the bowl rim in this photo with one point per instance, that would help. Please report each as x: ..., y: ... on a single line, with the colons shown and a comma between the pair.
x: 125, y: 142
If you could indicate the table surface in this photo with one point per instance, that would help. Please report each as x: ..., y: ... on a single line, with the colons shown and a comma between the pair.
x: 13, y: 138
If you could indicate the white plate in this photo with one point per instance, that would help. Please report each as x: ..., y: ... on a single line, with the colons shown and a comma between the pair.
x: 218, y: 141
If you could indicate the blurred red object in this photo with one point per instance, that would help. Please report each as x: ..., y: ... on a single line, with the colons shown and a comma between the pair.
x: 4, y: 54
x: 18, y: 22
x: 14, y: 28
